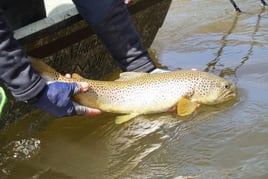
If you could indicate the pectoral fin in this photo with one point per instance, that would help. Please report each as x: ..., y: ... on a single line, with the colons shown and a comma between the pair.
x: 125, y: 118
x: 186, y: 107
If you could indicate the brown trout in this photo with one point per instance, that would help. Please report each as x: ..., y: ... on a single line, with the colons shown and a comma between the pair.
x: 137, y: 93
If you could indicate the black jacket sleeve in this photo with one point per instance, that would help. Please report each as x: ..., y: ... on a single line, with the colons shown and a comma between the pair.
x: 15, y: 69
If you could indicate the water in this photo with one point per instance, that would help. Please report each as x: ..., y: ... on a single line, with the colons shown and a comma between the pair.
x: 224, y: 141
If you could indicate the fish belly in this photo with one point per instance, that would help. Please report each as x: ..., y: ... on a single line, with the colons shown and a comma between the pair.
x: 141, y: 101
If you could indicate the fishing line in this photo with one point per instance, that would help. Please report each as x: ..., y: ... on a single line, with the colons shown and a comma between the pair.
x: 235, y: 6
x: 239, y: 10
x: 232, y: 71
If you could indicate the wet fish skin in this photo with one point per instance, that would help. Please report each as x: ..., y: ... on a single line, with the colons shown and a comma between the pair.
x: 142, y: 93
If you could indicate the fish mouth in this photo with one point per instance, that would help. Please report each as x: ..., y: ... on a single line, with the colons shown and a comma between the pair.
x: 229, y: 94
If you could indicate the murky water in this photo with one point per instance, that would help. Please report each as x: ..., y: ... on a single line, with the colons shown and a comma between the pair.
x: 224, y: 141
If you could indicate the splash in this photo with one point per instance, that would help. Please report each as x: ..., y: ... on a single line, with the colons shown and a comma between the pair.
x: 17, y: 151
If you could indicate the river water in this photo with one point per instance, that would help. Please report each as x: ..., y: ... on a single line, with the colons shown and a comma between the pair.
x: 223, y: 141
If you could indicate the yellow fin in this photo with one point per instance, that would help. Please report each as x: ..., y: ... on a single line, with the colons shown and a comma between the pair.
x: 125, y: 118
x: 185, y: 107
x: 130, y: 75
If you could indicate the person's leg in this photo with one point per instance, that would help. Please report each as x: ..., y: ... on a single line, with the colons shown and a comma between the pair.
x: 112, y: 23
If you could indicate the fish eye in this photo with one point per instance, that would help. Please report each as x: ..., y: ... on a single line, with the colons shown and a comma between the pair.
x: 227, y: 86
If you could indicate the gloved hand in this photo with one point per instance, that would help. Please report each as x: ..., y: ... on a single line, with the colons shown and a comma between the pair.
x: 56, y: 100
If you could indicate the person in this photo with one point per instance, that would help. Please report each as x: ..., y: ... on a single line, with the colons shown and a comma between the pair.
x: 111, y: 22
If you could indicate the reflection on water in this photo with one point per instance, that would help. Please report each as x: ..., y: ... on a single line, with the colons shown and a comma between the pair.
x: 222, y: 141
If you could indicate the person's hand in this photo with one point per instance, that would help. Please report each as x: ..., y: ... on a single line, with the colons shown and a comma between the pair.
x: 56, y: 100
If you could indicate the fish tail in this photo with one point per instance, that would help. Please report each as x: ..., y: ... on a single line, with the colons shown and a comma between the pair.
x: 40, y: 66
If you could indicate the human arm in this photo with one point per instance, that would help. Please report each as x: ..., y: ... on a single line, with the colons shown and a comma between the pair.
x: 26, y: 85
x: 15, y: 70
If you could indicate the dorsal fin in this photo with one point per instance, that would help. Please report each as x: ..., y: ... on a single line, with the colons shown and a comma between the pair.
x: 130, y: 76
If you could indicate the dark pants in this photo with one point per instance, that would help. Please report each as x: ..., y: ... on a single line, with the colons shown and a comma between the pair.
x: 112, y: 23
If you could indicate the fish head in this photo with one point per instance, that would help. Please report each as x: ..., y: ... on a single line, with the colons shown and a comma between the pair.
x: 213, y: 90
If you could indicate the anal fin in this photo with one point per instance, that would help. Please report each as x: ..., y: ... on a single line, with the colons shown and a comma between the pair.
x: 124, y: 118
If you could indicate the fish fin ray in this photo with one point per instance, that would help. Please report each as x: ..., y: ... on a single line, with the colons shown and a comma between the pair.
x: 186, y: 107
x: 124, y: 118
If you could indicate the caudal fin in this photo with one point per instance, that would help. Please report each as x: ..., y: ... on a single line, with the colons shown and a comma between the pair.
x: 39, y: 66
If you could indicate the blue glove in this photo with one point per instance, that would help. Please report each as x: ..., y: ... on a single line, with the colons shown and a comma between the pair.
x: 56, y: 100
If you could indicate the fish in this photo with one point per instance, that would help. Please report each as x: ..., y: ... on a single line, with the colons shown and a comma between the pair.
x: 138, y: 93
